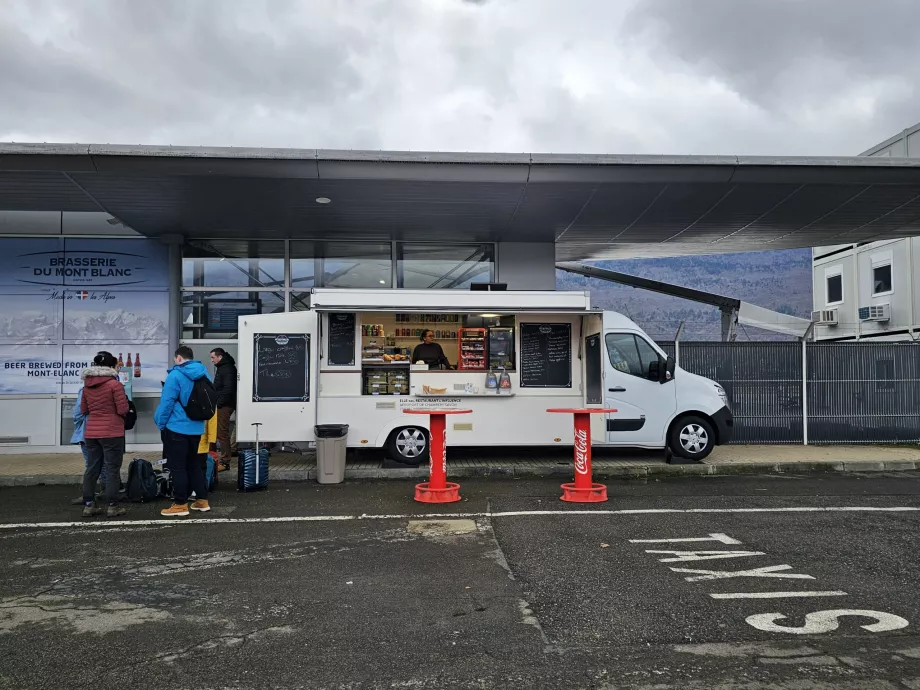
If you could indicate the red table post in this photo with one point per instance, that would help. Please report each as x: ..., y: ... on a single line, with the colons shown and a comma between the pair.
x: 437, y: 489
x: 583, y: 489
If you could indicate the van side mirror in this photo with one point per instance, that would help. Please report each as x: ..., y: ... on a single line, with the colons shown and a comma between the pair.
x: 661, y: 370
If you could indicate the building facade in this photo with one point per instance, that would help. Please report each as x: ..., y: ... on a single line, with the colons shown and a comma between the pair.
x: 868, y: 290
x: 76, y: 283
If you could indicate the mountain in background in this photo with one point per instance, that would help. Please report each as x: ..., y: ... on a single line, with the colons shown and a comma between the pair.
x: 778, y: 280
x: 113, y: 326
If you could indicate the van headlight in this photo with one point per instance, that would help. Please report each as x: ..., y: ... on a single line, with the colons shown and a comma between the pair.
x: 721, y: 393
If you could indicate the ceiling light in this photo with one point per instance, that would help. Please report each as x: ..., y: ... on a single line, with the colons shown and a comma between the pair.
x: 323, y: 200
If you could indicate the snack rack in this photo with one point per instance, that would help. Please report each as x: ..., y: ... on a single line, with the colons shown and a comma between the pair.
x: 472, y: 345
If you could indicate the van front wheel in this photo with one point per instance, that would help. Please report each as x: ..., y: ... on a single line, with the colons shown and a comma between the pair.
x: 692, y: 438
x: 408, y: 445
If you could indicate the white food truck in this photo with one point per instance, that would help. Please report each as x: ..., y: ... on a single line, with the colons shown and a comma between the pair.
x: 349, y: 360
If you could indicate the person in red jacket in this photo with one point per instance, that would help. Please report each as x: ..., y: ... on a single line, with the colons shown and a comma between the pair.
x: 105, y: 402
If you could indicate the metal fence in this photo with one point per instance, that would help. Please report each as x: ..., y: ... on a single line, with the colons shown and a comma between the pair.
x: 822, y: 393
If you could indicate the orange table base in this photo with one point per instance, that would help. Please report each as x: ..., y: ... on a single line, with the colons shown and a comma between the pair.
x: 437, y: 489
x: 583, y: 490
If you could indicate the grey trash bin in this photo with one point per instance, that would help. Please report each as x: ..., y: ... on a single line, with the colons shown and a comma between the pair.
x: 330, y: 452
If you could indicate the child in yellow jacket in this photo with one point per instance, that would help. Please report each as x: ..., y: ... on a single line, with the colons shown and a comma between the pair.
x: 208, y: 442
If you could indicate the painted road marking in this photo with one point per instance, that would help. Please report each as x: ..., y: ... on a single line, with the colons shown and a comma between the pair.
x: 827, y: 621
x: 776, y: 595
x: 409, y: 516
x: 766, y: 571
x: 815, y: 622
x: 717, y: 536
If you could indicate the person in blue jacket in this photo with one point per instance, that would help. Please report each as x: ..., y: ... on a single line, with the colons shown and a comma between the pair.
x: 181, y: 435
x: 79, y: 425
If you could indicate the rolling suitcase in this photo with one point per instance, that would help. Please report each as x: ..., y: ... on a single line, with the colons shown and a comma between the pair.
x: 252, y: 467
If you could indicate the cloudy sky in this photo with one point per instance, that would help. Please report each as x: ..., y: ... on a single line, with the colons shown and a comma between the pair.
x: 820, y: 77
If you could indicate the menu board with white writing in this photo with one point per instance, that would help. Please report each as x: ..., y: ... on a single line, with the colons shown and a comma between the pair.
x: 341, y: 340
x: 281, y: 367
x: 546, y: 355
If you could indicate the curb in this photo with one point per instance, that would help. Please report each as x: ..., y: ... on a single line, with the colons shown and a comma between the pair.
x: 512, y: 472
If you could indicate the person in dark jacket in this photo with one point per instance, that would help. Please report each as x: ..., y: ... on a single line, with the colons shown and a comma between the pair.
x: 105, y: 403
x: 225, y: 385
x: 181, y: 435
x: 430, y: 352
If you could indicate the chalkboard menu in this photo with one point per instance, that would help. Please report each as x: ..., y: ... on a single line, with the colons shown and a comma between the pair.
x: 546, y: 355
x: 341, y: 340
x: 281, y: 367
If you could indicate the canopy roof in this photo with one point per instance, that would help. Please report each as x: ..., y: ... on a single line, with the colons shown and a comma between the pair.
x: 591, y: 206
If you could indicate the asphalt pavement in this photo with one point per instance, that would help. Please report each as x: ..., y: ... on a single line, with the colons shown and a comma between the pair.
x: 796, y: 582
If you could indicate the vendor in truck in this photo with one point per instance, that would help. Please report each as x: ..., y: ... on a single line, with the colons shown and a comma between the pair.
x: 430, y: 352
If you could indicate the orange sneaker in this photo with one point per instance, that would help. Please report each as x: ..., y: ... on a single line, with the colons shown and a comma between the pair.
x: 175, y: 510
x: 201, y: 506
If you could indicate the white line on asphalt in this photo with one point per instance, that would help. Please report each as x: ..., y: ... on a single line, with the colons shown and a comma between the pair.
x: 102, y: 524
x: 776, y: 595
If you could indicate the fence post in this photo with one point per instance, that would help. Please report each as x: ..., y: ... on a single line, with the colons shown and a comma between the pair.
x: 805, y: 391
x: 680, y: 329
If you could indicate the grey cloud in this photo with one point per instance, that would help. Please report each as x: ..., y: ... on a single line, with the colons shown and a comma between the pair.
x: 632, y: 76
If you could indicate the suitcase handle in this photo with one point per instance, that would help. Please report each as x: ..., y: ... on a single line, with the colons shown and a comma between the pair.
x: 257, y: 425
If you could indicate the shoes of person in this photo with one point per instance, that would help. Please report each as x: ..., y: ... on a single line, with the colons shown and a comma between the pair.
x: 115, y: 511
x: 77, y: 501
x: 175, y: 510
x: 201, y: 506
x: 92, y: 510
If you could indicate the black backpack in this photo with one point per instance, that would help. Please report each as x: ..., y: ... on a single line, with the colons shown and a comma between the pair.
x: 131, y: 417
x: 202, y: 401
x: 142, y: 482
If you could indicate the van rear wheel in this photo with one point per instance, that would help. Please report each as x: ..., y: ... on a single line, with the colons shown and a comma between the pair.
x: 692, y: 437
x: 408, y: 445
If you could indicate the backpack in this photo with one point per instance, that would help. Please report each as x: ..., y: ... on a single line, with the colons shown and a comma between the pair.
x: 142, y: 482
x: 210, y: 473
x: 131, y: 417
x: 202, y: 401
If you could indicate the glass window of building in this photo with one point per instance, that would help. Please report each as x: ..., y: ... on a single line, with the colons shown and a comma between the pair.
x: 354, y: 265
x: 213, y: 315
x: 881, y: 279
x: 233, y: 263
x: 834, y: 288
x: 432, y: 266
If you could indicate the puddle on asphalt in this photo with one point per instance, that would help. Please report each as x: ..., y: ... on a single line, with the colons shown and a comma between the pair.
x: 442, y: 528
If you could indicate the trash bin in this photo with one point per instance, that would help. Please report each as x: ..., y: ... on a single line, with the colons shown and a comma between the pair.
x: 330, y: 452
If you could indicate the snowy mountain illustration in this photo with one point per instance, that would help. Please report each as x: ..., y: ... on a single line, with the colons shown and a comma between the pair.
x: 117, y: 325
x: 31, y: 329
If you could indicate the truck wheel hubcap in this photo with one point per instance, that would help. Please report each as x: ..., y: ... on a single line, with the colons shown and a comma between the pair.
x: 410, y: 443
x: 693, y: 438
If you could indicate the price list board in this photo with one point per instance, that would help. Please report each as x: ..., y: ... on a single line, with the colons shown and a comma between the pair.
x: 281, y: 367
x: 546, y: 355
x: 342, y: 329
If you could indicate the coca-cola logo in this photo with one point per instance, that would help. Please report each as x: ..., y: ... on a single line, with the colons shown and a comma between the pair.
x: 581, y: 451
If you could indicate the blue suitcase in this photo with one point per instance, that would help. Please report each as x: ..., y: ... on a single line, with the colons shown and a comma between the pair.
x: 252, y: 467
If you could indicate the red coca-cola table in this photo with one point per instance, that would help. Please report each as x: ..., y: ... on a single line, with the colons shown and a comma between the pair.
x: 437, y: 489
x: 583, y: 489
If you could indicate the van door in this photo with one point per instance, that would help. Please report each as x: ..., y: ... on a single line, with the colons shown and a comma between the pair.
x: 644, y: 406
x: 278, y: 365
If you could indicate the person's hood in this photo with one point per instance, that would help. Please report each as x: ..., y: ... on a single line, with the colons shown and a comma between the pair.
x: 226, y: 359
x: 95, y: 376
x: 192, y: 369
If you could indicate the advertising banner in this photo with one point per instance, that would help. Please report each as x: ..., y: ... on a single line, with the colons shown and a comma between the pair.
x: 63, y: 300
x: 96, y: 263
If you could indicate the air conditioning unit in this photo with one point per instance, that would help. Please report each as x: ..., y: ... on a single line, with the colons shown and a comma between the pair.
x: 877, y: 312
x: 824, y: 317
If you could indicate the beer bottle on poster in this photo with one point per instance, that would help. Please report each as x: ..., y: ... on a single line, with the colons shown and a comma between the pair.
x: 121, y: 363
x: 129, y: 364
x: 137, y: 365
